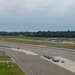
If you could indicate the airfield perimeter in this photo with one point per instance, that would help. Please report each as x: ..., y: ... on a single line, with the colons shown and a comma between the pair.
x: 29, y: 58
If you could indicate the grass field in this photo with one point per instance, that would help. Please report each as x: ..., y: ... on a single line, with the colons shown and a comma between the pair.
x: 40, y: 41
x: 14, y: 70
x: 67, y: 46
x: 22, y: 37
x: 27, y: 41
x: 5, y: 58
x: 6, y: 70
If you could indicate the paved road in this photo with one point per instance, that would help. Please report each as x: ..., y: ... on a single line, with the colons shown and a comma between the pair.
x: 34, y: 64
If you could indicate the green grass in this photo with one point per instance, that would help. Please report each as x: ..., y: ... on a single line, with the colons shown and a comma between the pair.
x: 4, y: 58
x: 33, y: 40
x: 7, y: 71
x: 22, y: 37
x: 28, y: 42
x: 67, y: 46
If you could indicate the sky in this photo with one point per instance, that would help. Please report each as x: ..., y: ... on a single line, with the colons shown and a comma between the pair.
x: 37, y: 15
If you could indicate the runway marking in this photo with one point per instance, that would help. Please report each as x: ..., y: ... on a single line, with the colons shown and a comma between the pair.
x: 25, y: 51
x: 26, y: 67
x: 6, y: 53
x: 29, y: 69
x: 69, y: 64
x: 23, y: 65
x: 9, y: 55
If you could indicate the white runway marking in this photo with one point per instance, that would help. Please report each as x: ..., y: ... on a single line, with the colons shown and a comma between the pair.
x: 69, y: 64
x: 25, y: 51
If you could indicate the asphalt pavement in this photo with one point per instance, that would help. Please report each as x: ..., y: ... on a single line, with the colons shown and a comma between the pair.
x: 33, y: 64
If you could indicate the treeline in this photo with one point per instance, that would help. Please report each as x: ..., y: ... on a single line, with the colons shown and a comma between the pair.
x: 41, y: 34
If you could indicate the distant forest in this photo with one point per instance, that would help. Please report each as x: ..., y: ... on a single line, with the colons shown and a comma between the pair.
x: 70, y: 34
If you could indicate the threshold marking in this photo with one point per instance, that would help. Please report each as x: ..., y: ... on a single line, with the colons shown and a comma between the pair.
x: 25, y: 51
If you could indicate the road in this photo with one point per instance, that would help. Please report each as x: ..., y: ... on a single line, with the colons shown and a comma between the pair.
x: 29, y: 58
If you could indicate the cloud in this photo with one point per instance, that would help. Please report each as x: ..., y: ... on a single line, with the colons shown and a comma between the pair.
x: 52, y: 5
x: 32, y: 5
x: 40, y: 11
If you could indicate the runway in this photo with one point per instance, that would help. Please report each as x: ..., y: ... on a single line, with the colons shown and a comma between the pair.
x: 29, y: 58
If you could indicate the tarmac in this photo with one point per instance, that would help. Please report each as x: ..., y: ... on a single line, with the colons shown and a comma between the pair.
x: 29, y: 58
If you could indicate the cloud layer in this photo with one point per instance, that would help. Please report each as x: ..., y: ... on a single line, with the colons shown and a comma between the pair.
x: 60, y: 6
x: 37, y: 12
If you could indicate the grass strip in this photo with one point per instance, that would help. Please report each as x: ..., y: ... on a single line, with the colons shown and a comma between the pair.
x: 28, y: 42
x: 67, y: 46
x: 14, y: 70
x: 4, y: 58
x: 53, y: 44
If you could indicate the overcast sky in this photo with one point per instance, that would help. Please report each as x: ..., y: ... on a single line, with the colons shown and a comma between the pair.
x: 35, y: 15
